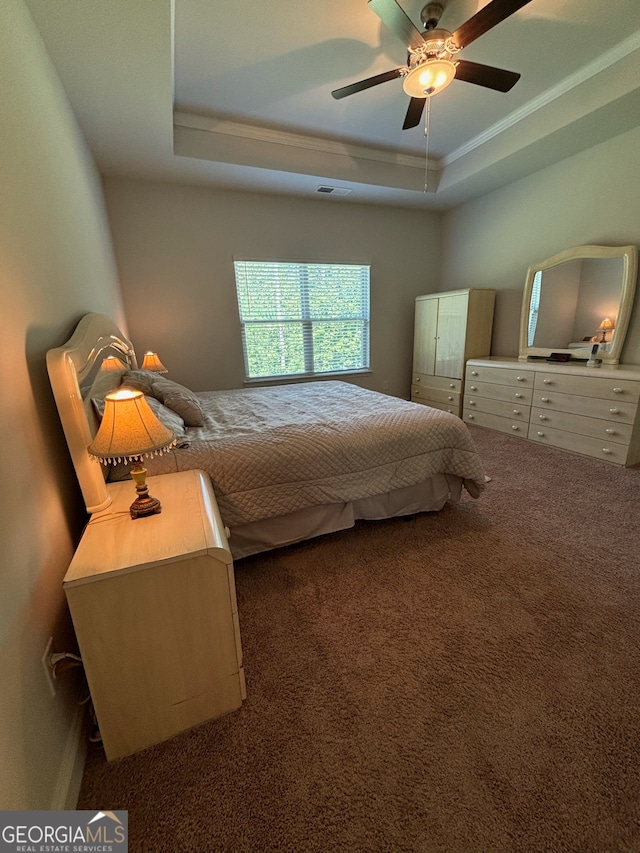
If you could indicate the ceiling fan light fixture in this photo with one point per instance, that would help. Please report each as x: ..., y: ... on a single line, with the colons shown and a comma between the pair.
x: 429, y: 78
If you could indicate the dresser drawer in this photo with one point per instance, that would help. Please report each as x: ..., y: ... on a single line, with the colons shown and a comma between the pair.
x: 586, y: 445
x: 611, y: 410
x: 520, y: 395
x: 605, y: 430
x: 446, y: 398
x: 452, y: 408
x: 443, y: 383
x: 497, y: 407
x: 623, y: 390
x: 500, y: 375
x: 484, y: 419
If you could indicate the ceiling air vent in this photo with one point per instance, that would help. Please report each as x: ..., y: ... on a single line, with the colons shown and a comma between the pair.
x: 325, y: 190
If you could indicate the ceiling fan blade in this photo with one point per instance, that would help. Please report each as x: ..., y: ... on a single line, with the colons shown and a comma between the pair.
x: 486, y: 75
x: 485, y: 19
x: 361, y: 85
x: 414, y: 113
x: 394, y: 17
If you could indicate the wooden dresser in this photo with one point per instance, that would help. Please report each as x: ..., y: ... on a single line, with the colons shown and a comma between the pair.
x: 449, y: 328
x: 592, y: 411
x: 154, y: 607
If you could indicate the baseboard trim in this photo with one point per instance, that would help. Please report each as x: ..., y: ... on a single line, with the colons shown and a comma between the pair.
x: 67, y: 790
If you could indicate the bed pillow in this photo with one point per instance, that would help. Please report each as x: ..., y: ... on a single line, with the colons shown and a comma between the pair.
x: 166, y: 416
x: 180, y: 399
x: 140, y: 380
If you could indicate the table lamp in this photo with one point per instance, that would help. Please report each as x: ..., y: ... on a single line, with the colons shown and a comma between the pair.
x: 112, y: 363
x: 130, y: 431
x: 152, y: 362
x: 605, y: 326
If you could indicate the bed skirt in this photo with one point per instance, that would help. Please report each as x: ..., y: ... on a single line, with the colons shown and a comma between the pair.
x: 266, y: 534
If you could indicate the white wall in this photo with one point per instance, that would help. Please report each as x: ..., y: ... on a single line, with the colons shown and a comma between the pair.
x: 56, y: 264
x: 175, y: 247
x: 590, y: 198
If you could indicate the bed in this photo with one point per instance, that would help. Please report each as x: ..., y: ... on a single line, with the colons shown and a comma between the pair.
x: 287, y: 462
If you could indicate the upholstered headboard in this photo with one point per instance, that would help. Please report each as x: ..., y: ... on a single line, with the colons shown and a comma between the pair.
x: 73, y: 368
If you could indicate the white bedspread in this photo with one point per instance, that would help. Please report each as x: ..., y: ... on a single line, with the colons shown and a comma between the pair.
x: 271, y: 451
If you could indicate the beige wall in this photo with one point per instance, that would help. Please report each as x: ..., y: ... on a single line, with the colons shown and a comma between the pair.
x: 593, y: 197
x: 55, y: 265
x: 175, y: 247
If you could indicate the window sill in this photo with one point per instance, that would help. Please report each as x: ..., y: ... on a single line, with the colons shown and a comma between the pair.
x: 306, y: 377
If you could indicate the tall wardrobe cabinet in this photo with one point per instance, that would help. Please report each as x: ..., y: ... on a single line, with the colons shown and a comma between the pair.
x: 449, y: 329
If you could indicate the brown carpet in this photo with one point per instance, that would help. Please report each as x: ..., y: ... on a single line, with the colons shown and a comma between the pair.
x: 461, y: 682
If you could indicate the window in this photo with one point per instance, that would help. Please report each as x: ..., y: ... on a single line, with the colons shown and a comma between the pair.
x: 303, y: 319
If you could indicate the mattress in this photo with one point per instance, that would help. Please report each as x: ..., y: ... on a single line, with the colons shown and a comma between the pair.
x: 277, y: 450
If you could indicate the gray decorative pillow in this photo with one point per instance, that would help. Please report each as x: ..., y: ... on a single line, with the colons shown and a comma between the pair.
x: 140, y: 380
x: 183, y: 401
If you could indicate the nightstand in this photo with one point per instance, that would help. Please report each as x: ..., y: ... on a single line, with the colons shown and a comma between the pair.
x: 154, y: 607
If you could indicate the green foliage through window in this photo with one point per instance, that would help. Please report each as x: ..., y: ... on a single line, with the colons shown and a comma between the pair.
x: 303, y: 319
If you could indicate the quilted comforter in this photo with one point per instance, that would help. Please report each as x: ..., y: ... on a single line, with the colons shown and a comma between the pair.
x: 271, y: 451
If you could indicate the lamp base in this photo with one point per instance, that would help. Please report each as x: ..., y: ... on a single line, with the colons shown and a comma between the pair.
x: 147, y: 505
x: 144, y: 504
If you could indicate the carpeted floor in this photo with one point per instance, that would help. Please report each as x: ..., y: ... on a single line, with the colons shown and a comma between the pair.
x: 460, y: 682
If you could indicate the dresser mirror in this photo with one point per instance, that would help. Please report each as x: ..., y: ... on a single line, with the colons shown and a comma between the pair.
x: 580, y: 297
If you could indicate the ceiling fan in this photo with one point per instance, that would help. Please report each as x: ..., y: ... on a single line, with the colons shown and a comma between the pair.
x: 431, y: 63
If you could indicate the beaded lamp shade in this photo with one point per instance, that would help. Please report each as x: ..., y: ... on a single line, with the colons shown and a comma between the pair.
x: 129, y: 432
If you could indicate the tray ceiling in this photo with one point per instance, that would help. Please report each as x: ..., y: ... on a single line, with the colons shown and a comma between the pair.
x: 238, y: 94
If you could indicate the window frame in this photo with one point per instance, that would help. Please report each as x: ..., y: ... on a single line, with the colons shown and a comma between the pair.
x: 306, y: 322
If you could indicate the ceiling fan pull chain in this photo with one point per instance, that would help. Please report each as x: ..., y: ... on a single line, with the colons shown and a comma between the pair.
x: 427, y: 116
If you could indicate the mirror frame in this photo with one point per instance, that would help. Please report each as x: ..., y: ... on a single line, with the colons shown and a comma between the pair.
x: 629, y: 255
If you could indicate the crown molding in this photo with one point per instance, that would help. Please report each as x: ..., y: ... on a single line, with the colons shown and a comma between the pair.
x: 611, y: 57
x: 194, y: 121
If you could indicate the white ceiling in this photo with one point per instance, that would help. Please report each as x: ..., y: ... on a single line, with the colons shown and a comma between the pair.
x: 238, y: 94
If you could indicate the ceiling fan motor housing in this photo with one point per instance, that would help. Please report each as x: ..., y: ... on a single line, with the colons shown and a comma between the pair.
x: 436, y: 45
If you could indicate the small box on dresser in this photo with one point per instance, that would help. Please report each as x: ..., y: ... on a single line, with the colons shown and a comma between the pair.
x: 569, y: 406
x: 154, y: 607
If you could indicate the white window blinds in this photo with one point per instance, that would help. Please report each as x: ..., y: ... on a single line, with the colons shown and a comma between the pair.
x: 303, y: 319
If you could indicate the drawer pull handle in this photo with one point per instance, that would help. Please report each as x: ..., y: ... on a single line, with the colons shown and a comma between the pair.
x: 518, y: 396
x: 611, y: 432
x: 544, y: 399
x: 614, y: 411
x: 451, y: 385
x: 548, y: 381
x: 417, y: 379
x: 472, y: 402
x: 470, y: 417
x: 516, y: 411
x: 515, y: 427
x: 606, y: 450
x: 449, y: 397
x: 542, y: 417
x: 617, y: 390
x: 474, y: 387
x: 474, y: 372
x: 541, y: 434
x: 520, y: 378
